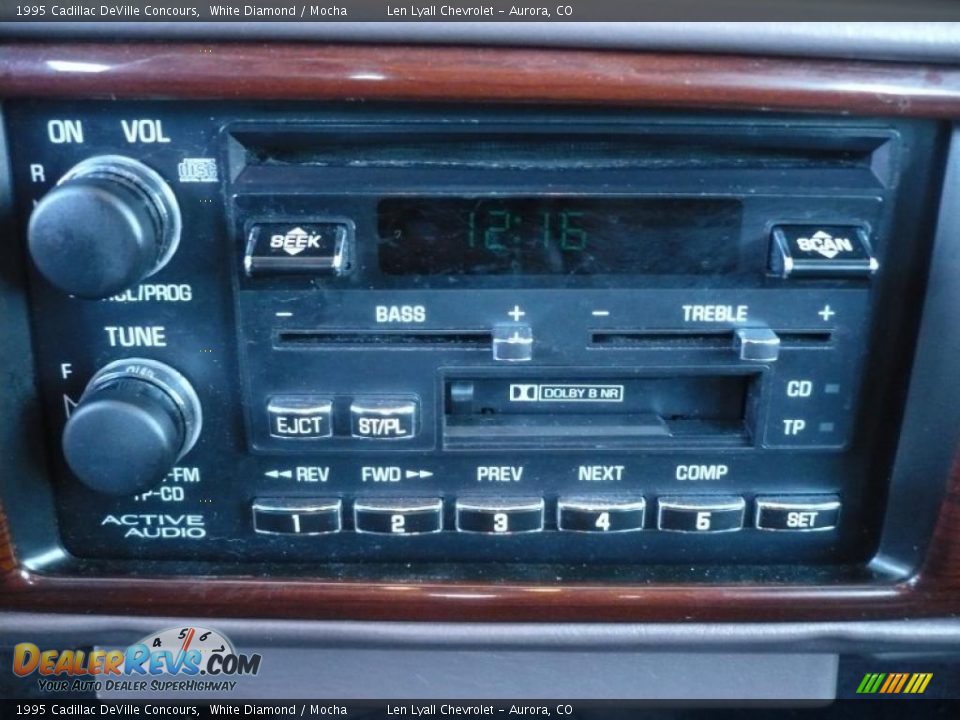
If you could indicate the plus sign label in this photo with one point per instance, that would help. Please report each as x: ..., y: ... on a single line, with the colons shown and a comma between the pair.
x: 516, y: 313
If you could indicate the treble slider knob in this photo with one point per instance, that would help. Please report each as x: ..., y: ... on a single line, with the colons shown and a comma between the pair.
x: 757, y: 344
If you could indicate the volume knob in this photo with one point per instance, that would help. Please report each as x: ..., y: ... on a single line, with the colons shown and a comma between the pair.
x: 110, y: 222
x: 135, y: 419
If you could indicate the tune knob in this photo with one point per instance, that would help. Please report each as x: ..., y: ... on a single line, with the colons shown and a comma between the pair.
x: 135, y: 420
x: 109, y: 223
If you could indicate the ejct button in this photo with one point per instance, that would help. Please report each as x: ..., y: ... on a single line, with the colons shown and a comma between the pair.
x: 300, y: 417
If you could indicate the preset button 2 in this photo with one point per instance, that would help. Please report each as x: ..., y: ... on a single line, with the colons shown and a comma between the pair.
x: 415, y: 516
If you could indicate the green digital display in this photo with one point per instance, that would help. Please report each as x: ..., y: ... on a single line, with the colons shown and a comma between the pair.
x: 558, y: 235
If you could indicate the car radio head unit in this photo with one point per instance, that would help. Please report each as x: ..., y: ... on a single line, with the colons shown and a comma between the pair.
x: 314, y: 336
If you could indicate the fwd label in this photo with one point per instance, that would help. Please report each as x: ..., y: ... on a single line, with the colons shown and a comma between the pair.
x: 381, y: 473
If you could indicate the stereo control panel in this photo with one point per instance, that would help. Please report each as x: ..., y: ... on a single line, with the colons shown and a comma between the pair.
x: 295, y: 334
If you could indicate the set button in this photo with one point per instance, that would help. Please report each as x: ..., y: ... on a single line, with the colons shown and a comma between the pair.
x: 414, y: 516
x: 601, y: 516
x: 700, y: 515
x: 290, y: 516
x: 500, y: 516
x: 797, y: 513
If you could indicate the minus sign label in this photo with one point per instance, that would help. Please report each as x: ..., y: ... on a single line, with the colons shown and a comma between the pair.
x: 601, y: 313
x: 284, y: 314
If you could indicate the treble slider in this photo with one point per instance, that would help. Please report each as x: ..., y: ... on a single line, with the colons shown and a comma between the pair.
x: 757, y: 344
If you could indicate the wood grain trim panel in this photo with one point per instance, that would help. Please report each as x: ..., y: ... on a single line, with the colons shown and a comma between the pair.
x: 353, y: 72
x: 259, y: 71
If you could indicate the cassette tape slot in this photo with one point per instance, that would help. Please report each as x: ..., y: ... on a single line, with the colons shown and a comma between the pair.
x: 626, y: 411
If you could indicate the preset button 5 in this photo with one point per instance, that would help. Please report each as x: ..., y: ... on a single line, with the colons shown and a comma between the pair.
x: 700, y: 515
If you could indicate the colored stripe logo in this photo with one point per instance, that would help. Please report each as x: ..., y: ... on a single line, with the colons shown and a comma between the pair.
x: 894, y: 683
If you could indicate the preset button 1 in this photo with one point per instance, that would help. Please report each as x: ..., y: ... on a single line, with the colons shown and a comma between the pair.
x: 296, y: 516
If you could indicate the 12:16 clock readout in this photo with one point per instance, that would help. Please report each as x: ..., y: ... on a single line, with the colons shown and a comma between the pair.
x: 492, y: 229
x: 557, y: 234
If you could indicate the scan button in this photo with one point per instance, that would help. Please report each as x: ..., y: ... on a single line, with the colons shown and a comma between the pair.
x: 821, y: 251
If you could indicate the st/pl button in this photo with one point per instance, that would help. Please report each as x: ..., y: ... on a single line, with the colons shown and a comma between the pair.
x: 300, y: 417
x: 382, y: 419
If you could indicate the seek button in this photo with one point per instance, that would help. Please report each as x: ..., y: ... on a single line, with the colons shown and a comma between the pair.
x: 318, y: 248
